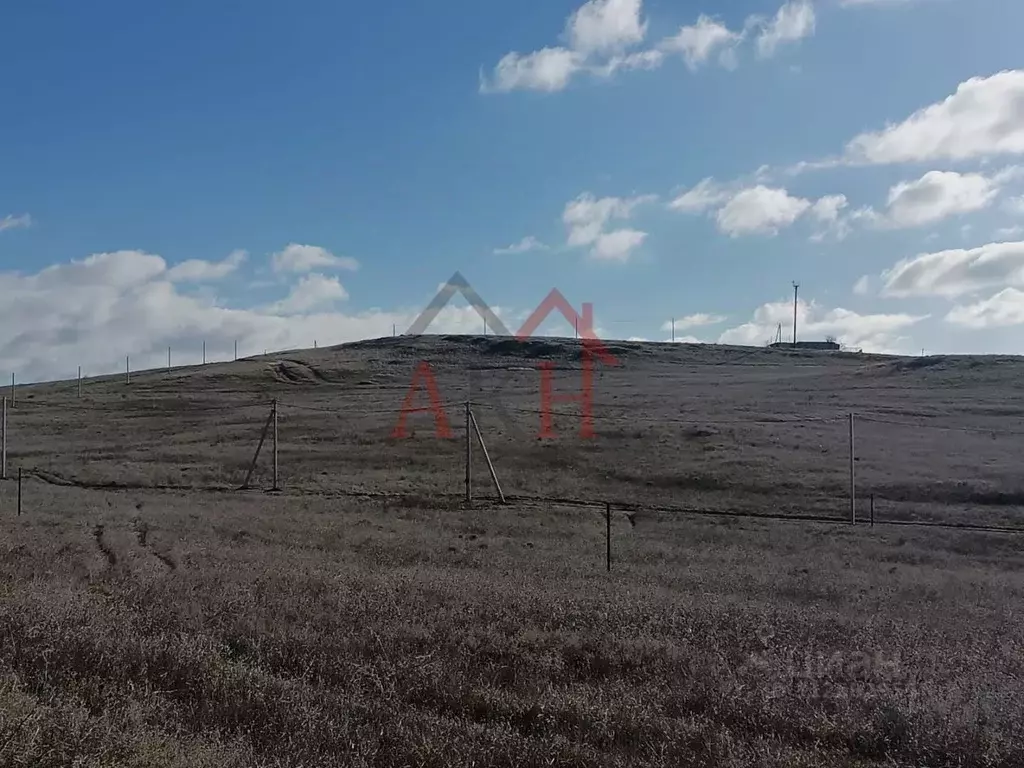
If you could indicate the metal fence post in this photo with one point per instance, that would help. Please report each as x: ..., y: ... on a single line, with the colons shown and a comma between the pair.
x: 275, y: 445
x: 469, y: 457
x: 853, y: 486
x: 608, y: 535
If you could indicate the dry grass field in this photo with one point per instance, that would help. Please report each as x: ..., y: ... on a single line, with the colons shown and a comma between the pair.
x: 152, y: 614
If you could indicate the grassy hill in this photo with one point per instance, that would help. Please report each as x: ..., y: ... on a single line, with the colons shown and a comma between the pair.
x: 154, y: 615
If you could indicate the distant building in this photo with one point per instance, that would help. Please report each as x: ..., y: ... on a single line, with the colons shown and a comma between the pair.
x: 822, y: 346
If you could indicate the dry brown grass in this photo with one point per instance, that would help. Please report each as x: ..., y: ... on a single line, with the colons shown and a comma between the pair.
x: 310, y: 628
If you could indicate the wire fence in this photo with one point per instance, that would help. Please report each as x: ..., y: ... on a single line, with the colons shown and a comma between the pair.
x: 869, y: 465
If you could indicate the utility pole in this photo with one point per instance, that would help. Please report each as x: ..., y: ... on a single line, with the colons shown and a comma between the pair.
x: 796, y: 294
x: 673, y: 330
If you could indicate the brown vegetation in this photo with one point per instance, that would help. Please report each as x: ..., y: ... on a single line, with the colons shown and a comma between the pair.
x: 333, y: 624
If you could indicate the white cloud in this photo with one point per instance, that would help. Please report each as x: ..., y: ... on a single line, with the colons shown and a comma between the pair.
x: 586, y: 218
x: 827, y: 208
x: 871, y: 333
x: 985, y: 117
x: 311, y: 292
x: 793, y: 21
x: 526, y: 245
x: 639, y: 60
x: 599, y: 29
x: 706, y: 194
x: 938, y: 195
x: 957, y: 272
x: 199, y: 271
x: 699, y: 320
x: 760, y: 210
x: 617, y: 245
x: 935, y: 196
x: 116, y: 270
x: 764, y: 210
x: 304, y: 258
x: 698, y: 42
x: 606, y: 25
x: 605, y: 36
x: 828, y: 211
x: 863, y: 286
x: 11, y: 221
x: 549, y: 69
x: 1004, y: 309
x: 94, y: 311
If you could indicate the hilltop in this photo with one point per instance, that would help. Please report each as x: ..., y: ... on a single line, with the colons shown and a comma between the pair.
x: 676, y: 425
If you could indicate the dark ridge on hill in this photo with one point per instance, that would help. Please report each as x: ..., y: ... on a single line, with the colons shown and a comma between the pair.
x: 362, y: 360
x: 558, y: 348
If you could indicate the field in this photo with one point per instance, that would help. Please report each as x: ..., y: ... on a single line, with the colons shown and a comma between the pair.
x: 153, y: 614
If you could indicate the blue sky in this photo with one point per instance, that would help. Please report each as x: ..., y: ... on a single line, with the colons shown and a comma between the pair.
x: 320, y: 168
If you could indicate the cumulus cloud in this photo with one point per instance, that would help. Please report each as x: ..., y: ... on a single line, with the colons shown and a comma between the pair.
x: 199, y: 271
x: 587, y: 217
x: 617, y: 245
x: 698, y: 42
x: 984, y: 117
x: 698, y: 320
x: 938, y: 195
x: 760, y: 210
x: 794, y: 21
x: 1004, y: 309
x: 828, y: 211
x: 828, y: 208
x: 526, y: 245
x: 880, y: 333
x: 764, y: 210
x: 311, y: 292
x: 598, y: 33
x: 605, y: 36
x: 606, y: 25
x: 957, y: 272
x: 11, y: 221
x: 549, y: 69
x: 305, y: 258
x: 94, y: 311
